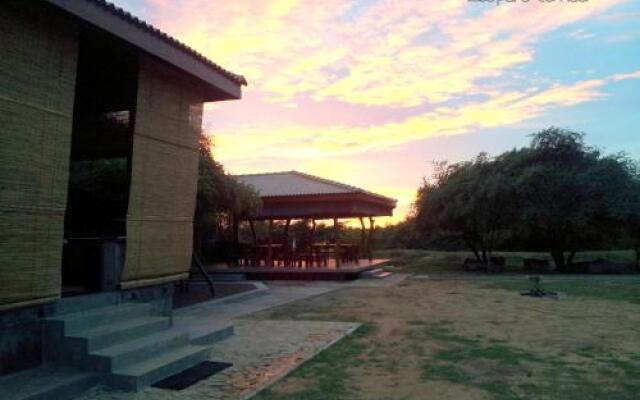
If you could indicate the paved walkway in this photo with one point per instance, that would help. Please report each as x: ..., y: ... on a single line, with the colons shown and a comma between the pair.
x: 262, y: 351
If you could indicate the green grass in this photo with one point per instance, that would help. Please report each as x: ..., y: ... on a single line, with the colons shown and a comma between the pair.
x: 461, y: 351
x: 429, y: 262
x: 327, y: 370
x: 506, y: 372
x: 625, y: 290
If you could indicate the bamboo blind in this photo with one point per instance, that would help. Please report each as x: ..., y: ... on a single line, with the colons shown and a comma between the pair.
x: 38, y: 57
x: 163, y: 177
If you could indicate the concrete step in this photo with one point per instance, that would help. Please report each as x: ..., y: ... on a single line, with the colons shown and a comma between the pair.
x: 210, y: 333
x: 46, y: 383
x: 147, y: 372
x: 83, y: 320
x: 100, y: 337
x: 130, y: 352
x: 86, y: 302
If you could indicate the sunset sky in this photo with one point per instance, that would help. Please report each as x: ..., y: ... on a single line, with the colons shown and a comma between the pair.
x: 372, y: 92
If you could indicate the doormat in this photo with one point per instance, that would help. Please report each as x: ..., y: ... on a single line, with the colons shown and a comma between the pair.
x: 190, y: 376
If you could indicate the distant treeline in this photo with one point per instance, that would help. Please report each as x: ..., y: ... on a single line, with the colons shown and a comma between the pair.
x: 556, y: 195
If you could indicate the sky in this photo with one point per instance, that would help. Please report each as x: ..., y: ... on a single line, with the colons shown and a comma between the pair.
x: 373, y: 92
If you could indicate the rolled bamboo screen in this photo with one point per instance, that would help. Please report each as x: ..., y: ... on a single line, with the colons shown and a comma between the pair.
x: 163, y: 178
x: 38, y: 57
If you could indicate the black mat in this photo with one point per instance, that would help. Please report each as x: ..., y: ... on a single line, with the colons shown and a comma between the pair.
x: 188, y: 377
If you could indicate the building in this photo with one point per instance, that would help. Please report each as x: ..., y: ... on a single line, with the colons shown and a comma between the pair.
x: 100, y: 115
x: 295, y: 196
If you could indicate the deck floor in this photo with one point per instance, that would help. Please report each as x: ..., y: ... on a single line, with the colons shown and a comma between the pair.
x: 346, y: 271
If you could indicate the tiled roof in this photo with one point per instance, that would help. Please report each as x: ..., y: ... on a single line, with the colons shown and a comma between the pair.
x: 143, y: 25
x: 294, y: 183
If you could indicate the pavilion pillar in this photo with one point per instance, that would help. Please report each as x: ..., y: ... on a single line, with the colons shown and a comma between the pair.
x: 269, y: 260
x: 253, y: 232
x: 363, y: 238
x: 286, y: 229
x: 285, y: 248
x: 370, y: 244
x: 254, y: 253
x: 336, y: 236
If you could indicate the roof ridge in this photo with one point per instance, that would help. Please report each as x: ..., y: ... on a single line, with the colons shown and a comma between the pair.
x: 126, y: 15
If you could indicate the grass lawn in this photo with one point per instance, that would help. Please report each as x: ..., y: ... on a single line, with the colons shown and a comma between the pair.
x: 473, y: 339
x: 430, y: 262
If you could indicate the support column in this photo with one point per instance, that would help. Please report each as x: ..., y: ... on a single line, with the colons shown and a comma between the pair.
x: 370, y: 245
x: 269, y: 260
x: 336, y: 236
x: 363, y: 238
x: 286, y: 251
x: 255, y: 259
x: 253, y: 232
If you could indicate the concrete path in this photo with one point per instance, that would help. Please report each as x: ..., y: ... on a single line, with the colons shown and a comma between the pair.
x: 262, y: 351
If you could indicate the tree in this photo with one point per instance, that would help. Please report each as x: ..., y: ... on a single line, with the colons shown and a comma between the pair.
x: 558, y: 195
x: 469, y: 200
x: 632, y: 220
x: 570, y: 196
x: 220, y: 199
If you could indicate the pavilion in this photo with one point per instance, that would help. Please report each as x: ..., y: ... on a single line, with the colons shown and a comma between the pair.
x: 292, y: 195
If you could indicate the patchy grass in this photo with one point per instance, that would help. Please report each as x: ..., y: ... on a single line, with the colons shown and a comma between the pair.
x: 469, y: 340
x: 327, y: 370
x: 431, y: 262
x: 627, y: 290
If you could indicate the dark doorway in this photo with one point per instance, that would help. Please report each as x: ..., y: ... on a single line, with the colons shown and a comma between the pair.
x: 99, y: 172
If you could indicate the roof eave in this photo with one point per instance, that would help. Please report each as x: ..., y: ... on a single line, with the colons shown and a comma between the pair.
x: 359, y: 195
x: 222, y: 87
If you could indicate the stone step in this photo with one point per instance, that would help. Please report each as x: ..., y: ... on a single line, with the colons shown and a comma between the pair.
x: 210, y: 333
x: 130, y: 352
x: 83, y: 320
x: 87, y: 302
x: 149, y: 371
x: 100, y: 337
x: 46, y: 383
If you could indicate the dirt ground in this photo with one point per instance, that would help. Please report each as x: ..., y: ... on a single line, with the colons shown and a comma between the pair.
x: 460, y: 339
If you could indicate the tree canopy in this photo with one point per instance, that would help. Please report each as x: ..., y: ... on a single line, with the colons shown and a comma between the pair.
x: 557, y: 195
x: 220, y: 198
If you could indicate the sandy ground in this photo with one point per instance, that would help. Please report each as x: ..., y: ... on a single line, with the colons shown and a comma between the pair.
x: 574, y: 332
